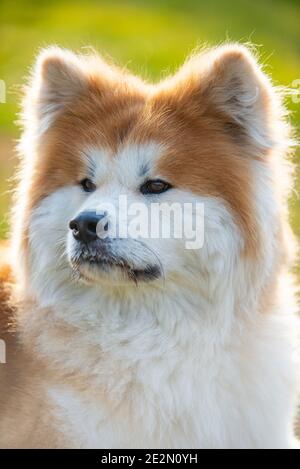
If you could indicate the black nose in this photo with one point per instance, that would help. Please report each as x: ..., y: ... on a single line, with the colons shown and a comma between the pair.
x: 84, y: 227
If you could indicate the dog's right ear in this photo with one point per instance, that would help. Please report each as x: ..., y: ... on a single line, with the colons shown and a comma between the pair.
x: 58, y: 78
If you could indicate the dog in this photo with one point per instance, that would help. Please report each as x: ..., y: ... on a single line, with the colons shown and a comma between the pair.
x: 140, y: 341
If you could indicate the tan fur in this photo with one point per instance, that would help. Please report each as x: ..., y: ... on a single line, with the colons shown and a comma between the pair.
x: 24, y: 421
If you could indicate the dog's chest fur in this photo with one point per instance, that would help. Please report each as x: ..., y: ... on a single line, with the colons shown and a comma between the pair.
x: 166, y: 380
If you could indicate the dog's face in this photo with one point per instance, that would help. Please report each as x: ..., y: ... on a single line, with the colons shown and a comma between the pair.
x: 114, y: 233
x: 101, y: 143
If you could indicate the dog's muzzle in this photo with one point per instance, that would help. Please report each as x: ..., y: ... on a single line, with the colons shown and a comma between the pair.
x: 95, y: 251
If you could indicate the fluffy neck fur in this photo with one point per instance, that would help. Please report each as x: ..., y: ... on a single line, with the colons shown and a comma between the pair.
x: 173, y: 366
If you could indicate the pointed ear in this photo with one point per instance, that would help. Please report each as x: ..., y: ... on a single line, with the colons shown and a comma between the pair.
x: 58, y: 78
x: 229, y: 83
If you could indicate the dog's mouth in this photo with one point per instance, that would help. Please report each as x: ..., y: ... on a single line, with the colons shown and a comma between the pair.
x: 93, y: 264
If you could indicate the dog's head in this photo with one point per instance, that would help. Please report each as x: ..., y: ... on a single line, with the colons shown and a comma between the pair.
x: 100, y: 144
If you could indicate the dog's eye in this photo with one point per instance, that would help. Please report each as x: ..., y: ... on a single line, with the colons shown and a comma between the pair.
x: 156, y: 186
x: 88, y: 185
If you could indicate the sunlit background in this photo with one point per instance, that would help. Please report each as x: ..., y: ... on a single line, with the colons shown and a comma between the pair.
x: 151, y: 38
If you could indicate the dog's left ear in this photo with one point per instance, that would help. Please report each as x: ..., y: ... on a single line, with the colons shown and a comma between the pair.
x: 228, y: 83
x: 61, y: 75
x: 57, y: 78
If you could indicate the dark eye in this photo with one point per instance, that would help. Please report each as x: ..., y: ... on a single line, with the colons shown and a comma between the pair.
x: 88, y: 185
x: 156, y: 186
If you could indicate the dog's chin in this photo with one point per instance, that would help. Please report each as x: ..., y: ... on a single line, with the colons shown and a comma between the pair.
x: 98, y: 271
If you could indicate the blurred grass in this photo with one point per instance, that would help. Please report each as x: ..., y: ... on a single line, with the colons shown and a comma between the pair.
x: 151, y: 37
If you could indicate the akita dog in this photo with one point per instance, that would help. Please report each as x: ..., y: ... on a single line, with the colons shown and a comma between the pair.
x: 139, y: 341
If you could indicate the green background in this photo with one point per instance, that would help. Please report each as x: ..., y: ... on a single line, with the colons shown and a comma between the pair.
x: 151, y: 38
